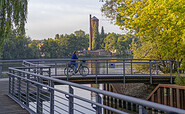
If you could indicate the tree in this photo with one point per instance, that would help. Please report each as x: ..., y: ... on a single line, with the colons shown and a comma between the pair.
x: 159, y: 24
x: 18, y: 48
x: 63, y: 43
x: 82, y: 40
x: 123, y: 43
x: 110, y: 42
x: 50, y: 48
x: 102, y: 37
x: 95, y: 41
x: 35, y: 46
x: 57, y: 36
x: 13, y: 14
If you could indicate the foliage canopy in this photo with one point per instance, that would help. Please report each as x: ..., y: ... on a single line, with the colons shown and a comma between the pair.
x: 159, y: 25
x: 13, y: 14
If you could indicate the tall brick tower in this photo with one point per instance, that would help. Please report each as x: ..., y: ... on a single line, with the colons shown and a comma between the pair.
x: 92, y: 20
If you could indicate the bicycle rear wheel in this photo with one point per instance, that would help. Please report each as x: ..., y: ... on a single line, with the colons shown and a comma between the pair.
x: 69, y: 71
x: 84, y: 70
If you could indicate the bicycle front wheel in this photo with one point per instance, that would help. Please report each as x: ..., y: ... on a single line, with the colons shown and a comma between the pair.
x: 84, y: 71
x: 68, y: 71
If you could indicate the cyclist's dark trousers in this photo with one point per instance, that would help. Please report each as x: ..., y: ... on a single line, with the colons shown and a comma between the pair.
x: 76, y: 65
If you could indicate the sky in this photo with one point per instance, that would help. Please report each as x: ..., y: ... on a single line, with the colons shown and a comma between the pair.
x: 46, y: 18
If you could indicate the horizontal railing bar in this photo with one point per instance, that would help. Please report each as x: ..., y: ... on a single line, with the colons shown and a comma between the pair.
x: 79, y: 111
x: 68, y: 59
x: 45, y: 96
x: 85, y: 107
x: 58, y: 112
x: 61, y: 98
x: 32, y: 106
x: 46, y: 105
x: 45, y: 110
x: 2, y: 61
x: 61, y: 108
x: 31, y: 67
x: 45, y: 91
x: 61, y: 103
x: 172, y: 86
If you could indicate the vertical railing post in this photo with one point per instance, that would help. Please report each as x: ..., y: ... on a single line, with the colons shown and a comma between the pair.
x: 178, y: 66
x: 13, y: 84
x: 107, y: 67
x: 96, y: 71
x: 142, y: 110
x: 27, y: 90
x: 156, y: 68
x: 39, y: 109
x: 98, y: 100
x: 124, y: 71
x: 51, y: 98
x: 71, y: 101
x: 55, y: 68
x: 150, y: 67
x: 1, y: 70
x: 131, y: 67
x: 10, y: 82
x: 178, y: 97
x: 67, y: 71
x: 41, y: 71
x: 49, y: 72
x: 171, y: 80
x: 19, y: 86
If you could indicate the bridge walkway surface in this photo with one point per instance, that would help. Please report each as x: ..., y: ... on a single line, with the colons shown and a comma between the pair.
x: 7, y: 105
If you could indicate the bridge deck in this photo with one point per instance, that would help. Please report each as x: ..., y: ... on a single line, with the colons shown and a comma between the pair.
x: 157, y: 79
x: 7, y: 105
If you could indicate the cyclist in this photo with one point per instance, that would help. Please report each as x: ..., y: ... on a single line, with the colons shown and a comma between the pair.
x: 74, y: 56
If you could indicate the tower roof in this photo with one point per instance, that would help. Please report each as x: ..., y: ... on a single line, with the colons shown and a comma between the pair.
x: 94, y: 18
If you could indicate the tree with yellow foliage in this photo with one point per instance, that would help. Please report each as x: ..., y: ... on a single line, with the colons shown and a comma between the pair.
x: 159, y: 25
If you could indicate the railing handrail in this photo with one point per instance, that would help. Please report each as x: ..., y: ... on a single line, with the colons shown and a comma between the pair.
x: 68, y: 59
x: 164, y: 86
x: 115, y: 95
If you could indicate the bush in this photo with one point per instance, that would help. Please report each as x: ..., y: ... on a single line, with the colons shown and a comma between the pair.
x: 180, y: 80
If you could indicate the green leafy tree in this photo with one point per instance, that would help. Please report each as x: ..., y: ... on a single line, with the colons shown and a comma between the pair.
x: 82, y: 40
x: 57, y: 36
x: 13, y: 14
x: 95, y: 42
x: 35, y: 46
x: 50, y: 48
x: 123, y: 43
x: 110, y: 42
x: 63, y: 43
x: 159, y: 25
x: 18, y: 48
x: 102, y: 37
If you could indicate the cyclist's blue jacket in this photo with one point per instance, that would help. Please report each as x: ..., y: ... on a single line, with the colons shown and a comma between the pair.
x: 73, y: 57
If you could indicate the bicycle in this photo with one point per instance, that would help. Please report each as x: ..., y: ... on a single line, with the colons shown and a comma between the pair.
x: 70, y: 69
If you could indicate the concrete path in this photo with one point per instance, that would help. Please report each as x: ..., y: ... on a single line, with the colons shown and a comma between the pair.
x: 7, y: 105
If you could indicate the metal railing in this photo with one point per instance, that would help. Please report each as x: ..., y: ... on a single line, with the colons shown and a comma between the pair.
x: 37, y: 93
x: 4, y: 64
x: 115, y: 67
x: 171, y: 95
